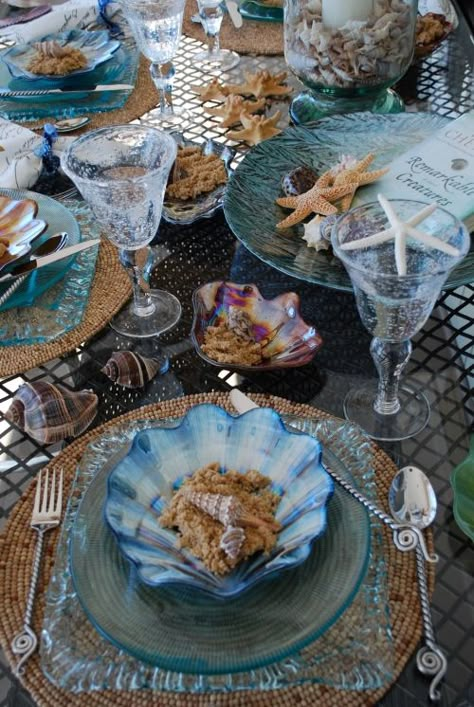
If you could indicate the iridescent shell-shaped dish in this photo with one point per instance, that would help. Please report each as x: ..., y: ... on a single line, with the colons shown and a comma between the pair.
x: 141, y: 485
x: 96, y: 46
x: 18, y: 227
x: 287, y: 341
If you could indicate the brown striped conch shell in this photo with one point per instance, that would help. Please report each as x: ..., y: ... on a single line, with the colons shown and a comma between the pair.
x: 130, y: 369
x: 50, y: 413
x: 227, y: 510
x: 232, y: 541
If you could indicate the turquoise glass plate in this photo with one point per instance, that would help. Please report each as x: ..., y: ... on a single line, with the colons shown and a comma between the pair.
x: 249, y: 202
x: 462, y: 481
x: 122, y: 67
x: 48, y: 304
x: 342, y: 657
x: 58, y: 218
x: 257, y: 11
x: 185, y: 630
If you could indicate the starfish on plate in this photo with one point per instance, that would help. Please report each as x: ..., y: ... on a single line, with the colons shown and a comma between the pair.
x: 399, y: 231
x: 316, y: 200
x: 256, y: 128
x: 354, y: 176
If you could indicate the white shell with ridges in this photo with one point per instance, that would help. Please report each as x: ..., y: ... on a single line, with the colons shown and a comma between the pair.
x: 143, y: 481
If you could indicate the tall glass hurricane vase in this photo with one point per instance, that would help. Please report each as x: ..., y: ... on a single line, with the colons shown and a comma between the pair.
x: 394, y: 306
x: 121, y: 171
x: 156, y: 26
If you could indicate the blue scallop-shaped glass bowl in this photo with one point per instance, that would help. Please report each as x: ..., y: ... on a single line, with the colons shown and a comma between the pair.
x: 143, y: 482
x: 96, y: 46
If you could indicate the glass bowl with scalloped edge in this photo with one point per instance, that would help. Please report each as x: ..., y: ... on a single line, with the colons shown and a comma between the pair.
x: 142, y: 484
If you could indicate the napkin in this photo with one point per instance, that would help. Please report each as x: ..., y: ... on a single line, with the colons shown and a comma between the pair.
x: 19, y: 166
x: 69, y: 15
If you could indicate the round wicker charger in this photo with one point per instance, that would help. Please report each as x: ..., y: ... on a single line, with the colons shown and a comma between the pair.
x: 16, y: 553
x: 110, y: 290
x: 254, y: 37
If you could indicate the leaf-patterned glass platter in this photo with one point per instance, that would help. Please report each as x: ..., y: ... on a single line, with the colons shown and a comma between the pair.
x: 249, y: 203
x: 462, y: 481
x: 291, y: 342
x: 205, y: 205
x: 97, y: 47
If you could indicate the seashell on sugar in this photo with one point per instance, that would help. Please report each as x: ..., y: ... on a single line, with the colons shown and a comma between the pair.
x: 50, y: 413
x: 232, y: 540
x: 130, y: 369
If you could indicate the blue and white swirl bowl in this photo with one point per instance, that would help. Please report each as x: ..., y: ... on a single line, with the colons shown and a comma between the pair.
x: 142, y: 484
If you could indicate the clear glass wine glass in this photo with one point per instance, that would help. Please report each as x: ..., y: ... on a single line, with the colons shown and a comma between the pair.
x: 393, y: 308
x: 121, y: 171
x: 211, y: 13
x: 156, y: 26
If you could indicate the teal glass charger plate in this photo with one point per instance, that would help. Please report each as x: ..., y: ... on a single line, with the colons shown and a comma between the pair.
x: 257, y: 182
x: 251, y: 10
x: 48, y: 304
x: 58, y: 218
x: 122, y: 67
x: 342, y: 656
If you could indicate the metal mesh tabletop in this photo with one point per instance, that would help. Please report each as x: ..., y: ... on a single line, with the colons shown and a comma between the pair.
x: 441, y: 364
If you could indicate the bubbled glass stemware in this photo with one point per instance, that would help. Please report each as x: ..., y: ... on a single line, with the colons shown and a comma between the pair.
x: 394, y: 307
x: 121, y: 171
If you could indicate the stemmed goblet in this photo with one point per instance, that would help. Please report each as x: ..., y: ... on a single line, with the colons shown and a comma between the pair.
x: 121, y: 171
x: 211, y: 13
x: 156, y: 26
x: 396, y: 284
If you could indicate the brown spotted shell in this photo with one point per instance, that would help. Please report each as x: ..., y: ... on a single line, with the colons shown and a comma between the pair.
x: 130, y: 369
x: 50, y: 413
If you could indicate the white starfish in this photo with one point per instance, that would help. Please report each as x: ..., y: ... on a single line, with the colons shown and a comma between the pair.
x: 399, y: 231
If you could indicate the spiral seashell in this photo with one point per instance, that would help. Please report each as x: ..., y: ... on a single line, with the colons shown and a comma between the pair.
x: 50, y: 49
x: 130, y: 369
x: 228, y: 510
x: 50, y: 413
x: 232, y: 541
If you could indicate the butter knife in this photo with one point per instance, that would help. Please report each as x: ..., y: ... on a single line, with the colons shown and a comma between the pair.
x: 6, y: 93
x: 36, y: 263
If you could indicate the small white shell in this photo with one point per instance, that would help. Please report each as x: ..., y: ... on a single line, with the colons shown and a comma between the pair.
x: 232, y: 541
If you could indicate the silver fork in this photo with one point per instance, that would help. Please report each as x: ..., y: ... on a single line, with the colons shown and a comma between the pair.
x: 46, y: 516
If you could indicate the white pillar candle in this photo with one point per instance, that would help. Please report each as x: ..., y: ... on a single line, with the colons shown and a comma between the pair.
x: 337, y: 12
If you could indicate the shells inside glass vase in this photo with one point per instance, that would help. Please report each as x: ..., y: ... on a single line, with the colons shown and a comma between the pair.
x: 348, y: 52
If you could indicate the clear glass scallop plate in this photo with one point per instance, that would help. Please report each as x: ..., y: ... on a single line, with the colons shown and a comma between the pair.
x: 257, y: 181
x: 340, y: 655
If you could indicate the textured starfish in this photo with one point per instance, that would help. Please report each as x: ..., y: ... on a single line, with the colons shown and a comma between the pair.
x: 399, y: 231
x: 231, y: 110
x: 317, y: 200
x: 213, y: 91
x: 256, y: 128
x: 354, y: 177
x: 261, y: 84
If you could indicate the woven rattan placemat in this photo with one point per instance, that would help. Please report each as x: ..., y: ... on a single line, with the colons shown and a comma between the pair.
x: 16, y: 557
x: 252, y: 38
x: 110, y: 290
x: 142, y: 99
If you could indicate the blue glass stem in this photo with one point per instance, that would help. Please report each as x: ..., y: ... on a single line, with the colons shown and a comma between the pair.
x: 138, y: 265
x: 163, y: 75
x: 390, y: 358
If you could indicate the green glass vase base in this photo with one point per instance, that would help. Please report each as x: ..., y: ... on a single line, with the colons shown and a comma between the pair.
x: 308, y: 107
x: 411, y: 419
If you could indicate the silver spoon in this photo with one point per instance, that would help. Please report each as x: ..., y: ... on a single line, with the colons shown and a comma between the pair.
x: 412, y: 500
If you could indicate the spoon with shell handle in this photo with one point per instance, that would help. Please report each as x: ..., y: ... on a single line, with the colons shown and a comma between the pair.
x: 406, y: 537
x: 412, y: 500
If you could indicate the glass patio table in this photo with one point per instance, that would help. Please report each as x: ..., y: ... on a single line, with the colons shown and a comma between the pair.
x: 442, y: 364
